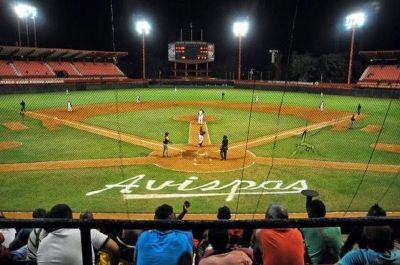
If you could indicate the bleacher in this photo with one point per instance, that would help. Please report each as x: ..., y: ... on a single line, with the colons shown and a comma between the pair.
x: 64, y: 69
x: 383, y: 71
x: 33, y: 69
x: 98, y: 69
x: 6, y: 69
x: 28, y: 65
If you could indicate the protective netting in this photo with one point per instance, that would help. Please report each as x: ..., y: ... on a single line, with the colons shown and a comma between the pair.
x: 94, y: 136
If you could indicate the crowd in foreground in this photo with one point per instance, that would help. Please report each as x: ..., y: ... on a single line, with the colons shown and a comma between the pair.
x: 269, y: 246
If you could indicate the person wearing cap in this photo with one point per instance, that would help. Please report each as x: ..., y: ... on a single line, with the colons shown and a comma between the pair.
x: 283, y: 246
x: 64, y: 246
x: 224, y: 147
x: 322, y: 243
x: 378, y: 239
x: 166, y: 141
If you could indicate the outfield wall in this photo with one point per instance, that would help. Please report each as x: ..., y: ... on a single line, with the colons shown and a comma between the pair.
x: 45, y: 88
x: 329, y: 89
x: 342, y: 91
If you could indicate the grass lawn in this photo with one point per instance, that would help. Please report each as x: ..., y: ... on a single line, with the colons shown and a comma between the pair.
x: 248, y: 190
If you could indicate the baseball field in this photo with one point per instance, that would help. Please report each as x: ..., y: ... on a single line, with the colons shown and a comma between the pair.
x: 106, y: 155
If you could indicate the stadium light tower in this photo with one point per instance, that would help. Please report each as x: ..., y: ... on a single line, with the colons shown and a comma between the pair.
x: 143, y: 28
x: 33, y: 16
x: 240, y: 29
x: 352, y: 21
x: 23, y: 12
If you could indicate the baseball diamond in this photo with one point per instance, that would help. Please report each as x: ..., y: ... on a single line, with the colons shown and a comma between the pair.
x: 198, y: 165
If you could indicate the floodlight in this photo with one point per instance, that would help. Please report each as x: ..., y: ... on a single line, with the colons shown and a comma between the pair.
x: 24, y: 11
x: 354, y: 20
x: 240, y: 28
x: 143, y: 27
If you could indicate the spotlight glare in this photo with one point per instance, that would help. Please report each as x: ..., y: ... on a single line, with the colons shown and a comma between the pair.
x: 357, y: 19
x: 240, y: 28
x: 143, y: 27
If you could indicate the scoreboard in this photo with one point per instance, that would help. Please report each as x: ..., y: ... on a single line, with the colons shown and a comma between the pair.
x: 190, y: 52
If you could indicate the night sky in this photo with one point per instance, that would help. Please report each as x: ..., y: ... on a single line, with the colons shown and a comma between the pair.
x: 314, y: 26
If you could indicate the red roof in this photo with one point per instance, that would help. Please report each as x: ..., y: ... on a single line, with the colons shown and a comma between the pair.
x: 54, y: 53
x: 373, y: 56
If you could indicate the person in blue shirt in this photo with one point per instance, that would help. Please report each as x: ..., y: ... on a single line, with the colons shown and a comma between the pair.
x: 378, y: 240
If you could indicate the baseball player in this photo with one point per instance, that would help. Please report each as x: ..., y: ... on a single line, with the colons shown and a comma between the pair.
x: 69, y: 106
x: 200, y: 116
x: 201, y: 136
x: 224, y: 147
x: 166, y: 141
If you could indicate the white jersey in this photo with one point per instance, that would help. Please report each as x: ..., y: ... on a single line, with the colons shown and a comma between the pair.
x: 69, y: 106
x: 63, y: 246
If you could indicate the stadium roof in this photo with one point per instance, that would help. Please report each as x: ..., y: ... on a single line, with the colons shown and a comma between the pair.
x: 54, y: 53
x: 373, y: 56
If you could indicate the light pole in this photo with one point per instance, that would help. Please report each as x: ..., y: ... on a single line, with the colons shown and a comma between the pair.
x: 352, y: 21
x: 240, y: 30
x: 25, y: 11
x: 143, y: 28
x: 33, y: 16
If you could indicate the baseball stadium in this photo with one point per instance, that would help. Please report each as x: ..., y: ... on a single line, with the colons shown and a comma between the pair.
x: 77, y: 129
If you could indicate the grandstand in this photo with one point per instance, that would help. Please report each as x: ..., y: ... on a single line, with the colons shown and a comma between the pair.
x: 383, y: 70
x: 47, y: 65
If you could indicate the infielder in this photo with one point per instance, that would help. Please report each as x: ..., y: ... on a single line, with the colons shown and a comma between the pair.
x: 69, y: 106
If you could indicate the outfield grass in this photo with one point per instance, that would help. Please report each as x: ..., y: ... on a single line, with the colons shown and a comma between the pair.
x: 340, y: 189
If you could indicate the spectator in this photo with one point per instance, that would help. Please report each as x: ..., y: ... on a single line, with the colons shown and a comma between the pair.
x: 35, y: 237
x: 378, y: 239
x: 163, y: 247
x: 185, y: 209
x: 8, y: 234
x: 224, y: 213
x: 221, y: 254
x: 63, y: 246
x: 127, y: 242
x: 356, y: 234
x: 22, y: 236
x: 283, y: 246
x: 234, y: 236
x: 322, y: 244
x: 4, y: 252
